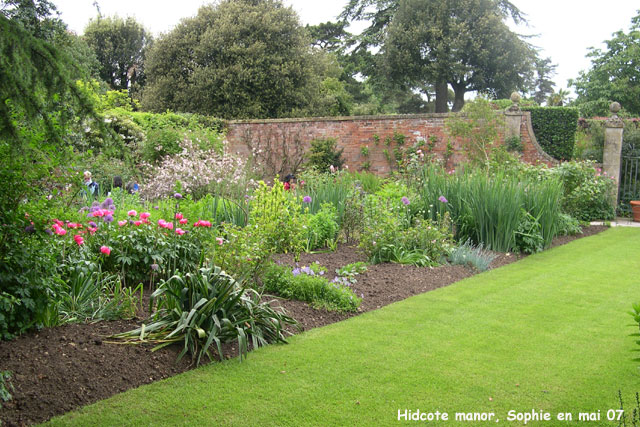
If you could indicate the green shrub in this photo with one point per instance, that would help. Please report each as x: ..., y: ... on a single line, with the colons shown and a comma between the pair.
x: 322, y: 228
x: 529, y: 238
x: 388, y: 236
x: 28, y: 279
x: 587, y: 192
x: 555, y: 129
x: 305, y: 284
x: 244, y: 252
x: 324, y: 153
x: 278, y: 218
x: 567, y: 225
x: 207, y: 307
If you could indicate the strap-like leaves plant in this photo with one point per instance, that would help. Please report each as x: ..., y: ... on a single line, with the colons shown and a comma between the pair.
x: 206, y: 307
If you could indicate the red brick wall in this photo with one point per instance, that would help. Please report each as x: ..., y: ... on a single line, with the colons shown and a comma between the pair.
x: 353, y: 133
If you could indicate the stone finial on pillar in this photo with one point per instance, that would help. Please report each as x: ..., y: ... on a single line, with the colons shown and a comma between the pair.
x: 515, y: 98
x: 611, y: 156
x: 513, y: 118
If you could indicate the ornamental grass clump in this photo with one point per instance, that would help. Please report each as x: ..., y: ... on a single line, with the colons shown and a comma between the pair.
x: 471, y: 255
x: 205, y: 308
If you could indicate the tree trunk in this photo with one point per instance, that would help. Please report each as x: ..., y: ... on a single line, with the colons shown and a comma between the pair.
x: 459, y: 90
x: 442, y: 95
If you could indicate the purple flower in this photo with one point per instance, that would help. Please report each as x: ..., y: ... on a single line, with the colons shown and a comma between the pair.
x: 405, y: 201
x: 29, y: 228
x: 443, y: 199
x: 295, y: 271
x: 155, y: 267
x: 107, y: 202
x: 108, y: 218
x: 156, y: 207
x: 49, y: 232
x: 112, y: 207
x: 95, y: 204
x: 93, y: 224
x: 94, y: 209
x: 306, y: 199
x: 177, y: 196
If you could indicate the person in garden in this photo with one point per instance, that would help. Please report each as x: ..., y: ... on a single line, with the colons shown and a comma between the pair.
x: 92, y: 186
x: 288, y: 182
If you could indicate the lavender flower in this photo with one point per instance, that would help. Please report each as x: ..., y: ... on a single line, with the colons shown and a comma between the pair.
x: 107, y: 202
x: 177, y: 196
x: 443, y: 199
x: 108, y: 218
x: 93, y: 224
x: 295, y: 271
x: 306, y: 199
x: 405, y: 201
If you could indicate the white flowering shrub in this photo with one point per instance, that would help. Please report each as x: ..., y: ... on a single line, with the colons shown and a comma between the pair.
x: 197, y: 171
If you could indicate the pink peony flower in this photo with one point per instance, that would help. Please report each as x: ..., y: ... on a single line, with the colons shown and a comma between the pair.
x: 78, y: 239
x: 137, y: 223
x: 179, y: 215
x: 132, y: 213
x: 162, y: 222
x: 122, y: 223
x: 105, y: 250
x: 169, y: 226
x: 180, y: 231
x: 144, y: 215
x: 183, y: 221
x: 219, y: 240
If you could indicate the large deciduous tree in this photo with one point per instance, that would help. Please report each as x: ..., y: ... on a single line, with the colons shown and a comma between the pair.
x: 463, y: 43
x: 120, y: 46
x: 614, y: 75
x: 235, y: 59
x: 429, y: 44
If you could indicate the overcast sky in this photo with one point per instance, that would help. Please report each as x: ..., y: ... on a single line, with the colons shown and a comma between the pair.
x: 565, y: 28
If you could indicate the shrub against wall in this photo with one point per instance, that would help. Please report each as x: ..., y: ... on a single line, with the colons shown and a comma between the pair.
x: 555, y: 129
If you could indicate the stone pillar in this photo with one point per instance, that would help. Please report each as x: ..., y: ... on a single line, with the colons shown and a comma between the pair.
x: 513, y: 118
x: 613, y: 129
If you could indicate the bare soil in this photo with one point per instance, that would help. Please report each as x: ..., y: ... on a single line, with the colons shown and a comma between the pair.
x: 59, y: 369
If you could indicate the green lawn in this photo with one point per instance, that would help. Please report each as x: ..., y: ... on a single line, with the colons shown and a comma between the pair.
x: 547, y: 333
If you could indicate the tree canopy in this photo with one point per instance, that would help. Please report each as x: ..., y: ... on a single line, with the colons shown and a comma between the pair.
x: 120, y: 45
x: 235, y: 59
x: 429, y: 44
x: 614, y: 75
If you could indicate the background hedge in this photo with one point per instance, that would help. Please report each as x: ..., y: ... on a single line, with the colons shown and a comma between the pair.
x: 555, y: 129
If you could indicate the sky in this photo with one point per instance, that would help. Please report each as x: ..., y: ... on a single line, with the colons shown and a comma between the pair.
x: 564, y: 29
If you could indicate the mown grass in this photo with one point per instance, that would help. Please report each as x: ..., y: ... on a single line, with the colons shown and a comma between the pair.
x: 547, y: 333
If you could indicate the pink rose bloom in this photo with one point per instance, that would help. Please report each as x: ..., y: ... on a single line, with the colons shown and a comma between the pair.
x: 105, y: 250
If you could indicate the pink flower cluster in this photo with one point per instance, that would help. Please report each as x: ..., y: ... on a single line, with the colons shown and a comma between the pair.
x: 196, y: 170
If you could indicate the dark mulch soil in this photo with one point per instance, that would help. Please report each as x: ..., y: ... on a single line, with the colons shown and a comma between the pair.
x: 59, y: 369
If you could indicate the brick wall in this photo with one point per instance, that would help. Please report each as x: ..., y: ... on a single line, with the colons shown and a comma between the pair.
x: 279, y: 145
